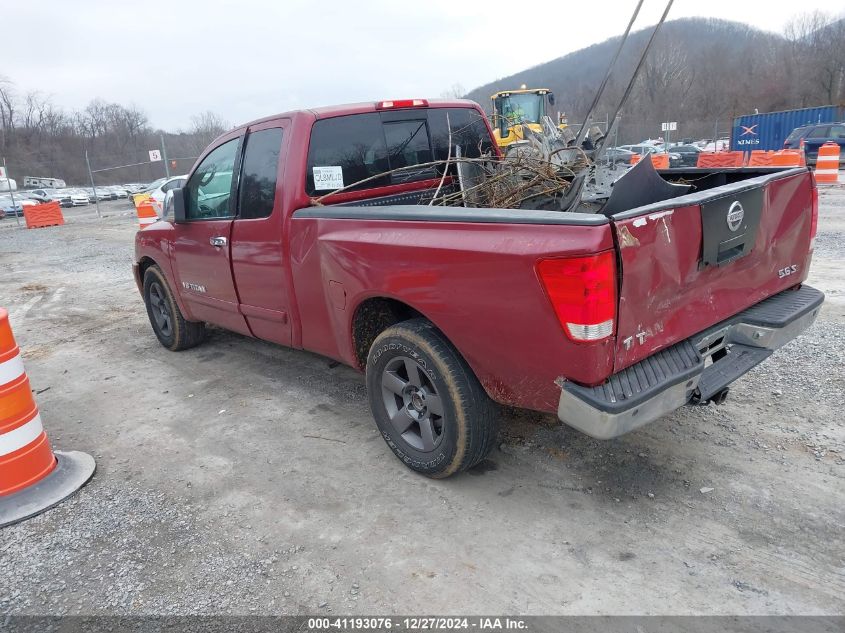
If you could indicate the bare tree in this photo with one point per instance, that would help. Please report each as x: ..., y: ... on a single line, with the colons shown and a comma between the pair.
x: 207, y: 126
x: 817, y: 54
x: 455, y: 91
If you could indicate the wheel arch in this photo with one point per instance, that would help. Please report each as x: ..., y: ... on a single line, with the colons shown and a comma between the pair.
x: 372, y: 316
x: 145, y: 263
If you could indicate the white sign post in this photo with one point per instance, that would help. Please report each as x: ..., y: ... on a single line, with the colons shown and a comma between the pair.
x: 155, y: 155
x: 668, y: 126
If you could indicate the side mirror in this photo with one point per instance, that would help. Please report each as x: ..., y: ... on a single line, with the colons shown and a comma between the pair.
x: 175, y: 203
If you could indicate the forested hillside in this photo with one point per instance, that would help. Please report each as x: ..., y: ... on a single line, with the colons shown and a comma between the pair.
x: 701, y: 72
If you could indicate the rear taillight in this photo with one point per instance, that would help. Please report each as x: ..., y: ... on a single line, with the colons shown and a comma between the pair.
x: 583, y: 294
x: 401, y: 103
x: 814, y: 208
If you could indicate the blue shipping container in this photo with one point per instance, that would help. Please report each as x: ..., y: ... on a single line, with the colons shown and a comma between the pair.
x: 768, y: 130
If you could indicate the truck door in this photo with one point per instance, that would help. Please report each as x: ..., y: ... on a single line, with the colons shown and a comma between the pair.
x: 201, y: 245
x: 258, y: 248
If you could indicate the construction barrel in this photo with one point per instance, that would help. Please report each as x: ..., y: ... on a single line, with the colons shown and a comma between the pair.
x: 827, y: 164
x: 147, y: 213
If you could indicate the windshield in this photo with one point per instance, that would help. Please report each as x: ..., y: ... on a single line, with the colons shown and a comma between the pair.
x: 796, y: 134
x: 155, y: 185
x: 519, y: 108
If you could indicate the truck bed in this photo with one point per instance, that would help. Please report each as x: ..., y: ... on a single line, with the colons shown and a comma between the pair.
x: 472, y: 272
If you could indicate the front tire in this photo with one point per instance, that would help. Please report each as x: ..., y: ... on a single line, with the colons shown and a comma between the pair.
x: 430, y: 408
x: 170, y: 326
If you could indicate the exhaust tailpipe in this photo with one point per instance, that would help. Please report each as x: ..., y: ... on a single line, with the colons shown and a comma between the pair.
x: 720, y: 397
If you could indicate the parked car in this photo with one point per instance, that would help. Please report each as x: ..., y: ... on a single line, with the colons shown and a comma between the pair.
x: 159, y: 193
x: 642, y: 150
x: 688, y: 154
x: 78, y: 197
x: 119, y: 190
x: 109, y: 191
x: 618, y: 155
x: 102, y: 194
x: 647, y: 148
x: 719, y: 145
x: 812, y: 137
x: 8, y: 208
x: 608, y: 320
x: 51, y: 195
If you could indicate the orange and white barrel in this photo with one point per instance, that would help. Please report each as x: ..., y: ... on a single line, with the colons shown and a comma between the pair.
x: 32, y: 477
x: 827, y: 164
x: 147, y: 213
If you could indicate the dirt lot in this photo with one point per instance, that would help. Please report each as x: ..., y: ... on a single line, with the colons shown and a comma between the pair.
x: 240, y: 477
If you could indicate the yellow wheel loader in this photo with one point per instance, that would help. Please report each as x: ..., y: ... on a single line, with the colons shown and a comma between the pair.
x: 514, y: 108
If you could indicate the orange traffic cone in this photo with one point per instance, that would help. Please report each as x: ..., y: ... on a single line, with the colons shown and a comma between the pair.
x: 32, y: 478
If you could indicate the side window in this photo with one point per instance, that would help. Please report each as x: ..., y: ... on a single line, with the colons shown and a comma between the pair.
x: 210, y: 186
x: 837, y: 132
x: 258, y: 175
x: 822, y: 131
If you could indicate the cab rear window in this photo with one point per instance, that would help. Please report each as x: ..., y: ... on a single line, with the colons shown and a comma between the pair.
x: 347, y: 149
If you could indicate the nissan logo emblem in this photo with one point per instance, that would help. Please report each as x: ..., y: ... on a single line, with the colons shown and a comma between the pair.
x: 735, y: 215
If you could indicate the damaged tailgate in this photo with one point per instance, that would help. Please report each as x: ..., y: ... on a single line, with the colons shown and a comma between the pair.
x: 695, y: 260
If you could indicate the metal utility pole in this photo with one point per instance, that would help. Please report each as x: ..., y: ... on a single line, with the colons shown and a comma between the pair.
x: 600, y: 149
x: 164, y: 156
x: 11, y: 193
x: 93, y: 186
x: 588, y: 119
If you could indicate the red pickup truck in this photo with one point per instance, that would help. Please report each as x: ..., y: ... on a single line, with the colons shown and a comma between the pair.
x: 608, y: 319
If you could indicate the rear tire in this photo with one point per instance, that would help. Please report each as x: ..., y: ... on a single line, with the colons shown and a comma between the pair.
x: 430, y: 408
x: 170, y: 326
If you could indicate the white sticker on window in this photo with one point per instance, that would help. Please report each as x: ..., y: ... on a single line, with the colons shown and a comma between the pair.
x: 328, y: 178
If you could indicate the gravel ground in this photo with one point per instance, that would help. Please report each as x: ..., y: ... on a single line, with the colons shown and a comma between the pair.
x: 241, y: 477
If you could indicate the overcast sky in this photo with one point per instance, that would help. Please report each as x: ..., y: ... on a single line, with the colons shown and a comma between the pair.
x: 249, y: 58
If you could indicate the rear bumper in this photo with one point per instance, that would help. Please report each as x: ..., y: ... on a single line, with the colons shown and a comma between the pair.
x: 680, y: 374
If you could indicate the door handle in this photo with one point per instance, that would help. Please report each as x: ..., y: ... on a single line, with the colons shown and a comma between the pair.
x: 218, y: 241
